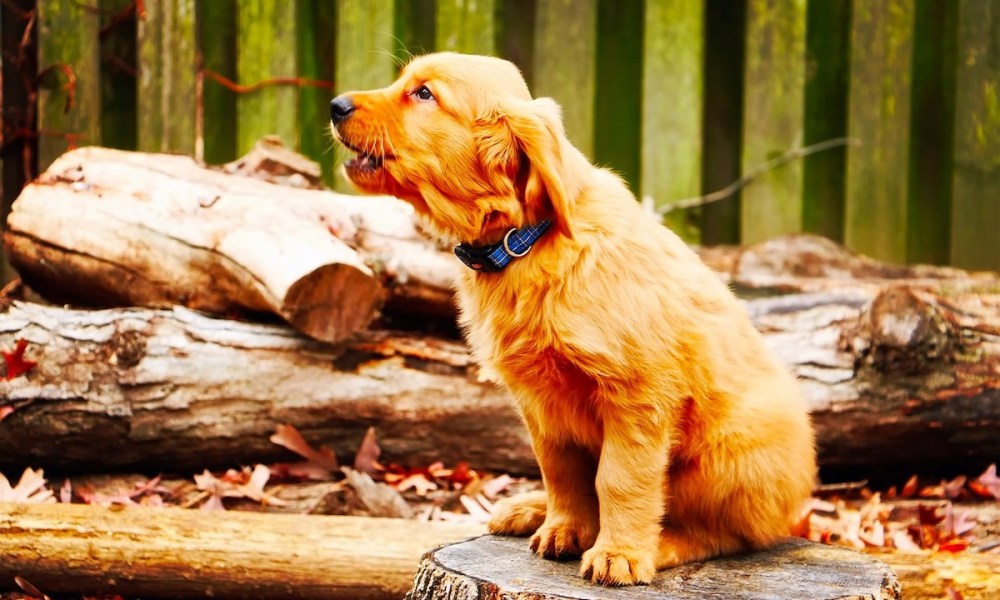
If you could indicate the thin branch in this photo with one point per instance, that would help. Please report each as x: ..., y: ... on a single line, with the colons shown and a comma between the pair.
x: 756, y: 172
x: 69, y: 87
x: 246, y: 89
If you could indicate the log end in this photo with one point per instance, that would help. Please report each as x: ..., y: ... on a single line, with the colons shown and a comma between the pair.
x: 495, y: 567
x: 333, y: 302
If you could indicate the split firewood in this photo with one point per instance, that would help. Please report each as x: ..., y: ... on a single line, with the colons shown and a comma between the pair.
x: 898, y: 379
x: 110, y: 228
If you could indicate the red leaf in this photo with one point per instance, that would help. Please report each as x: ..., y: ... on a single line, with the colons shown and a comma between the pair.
x: 954, y: 545
x: 910, y: 488
x: 462, y: 474
x: 17, y: 365
x: 929, y: 514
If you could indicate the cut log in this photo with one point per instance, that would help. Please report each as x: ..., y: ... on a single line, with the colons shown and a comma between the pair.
x: 176, y: 553
x: 110, y: 228
x: 497, y: 567
x: 175, y: 390
x: 897, y: 380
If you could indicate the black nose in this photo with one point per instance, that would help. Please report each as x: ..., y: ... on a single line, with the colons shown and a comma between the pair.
x: 341, y: 107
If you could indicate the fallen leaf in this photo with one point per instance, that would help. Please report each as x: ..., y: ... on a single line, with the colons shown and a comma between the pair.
x: 418, y: 482
x: 30, y: 489
x: 319, y: 464
x: 928, y: 514
x: 31, y: 590
x: 6, y: 411
x: 954, y: 545
x: 474, y: 508
x: 366, y: 459
x: 17, y: 365
x: 989, y: 481
x: 66, y: 492
x: 904, y: 543
x: 909, y: 488
x: 237, y: 484
x: 492, y: 487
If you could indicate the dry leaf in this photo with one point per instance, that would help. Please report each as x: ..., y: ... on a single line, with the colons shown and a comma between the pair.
x: 319, y: 464
x: 989, y: 481
x: 366, y: 459
x: 418, y: 482
x: 30, y: 489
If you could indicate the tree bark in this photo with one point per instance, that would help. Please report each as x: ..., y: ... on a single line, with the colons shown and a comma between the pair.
x: 493, y: 567
x: 110, y: 228
x: 175, y: 390
x: 177, y: 553
x: 895, y: 380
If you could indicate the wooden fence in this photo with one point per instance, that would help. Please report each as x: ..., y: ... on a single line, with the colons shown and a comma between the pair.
x: 680, y: 96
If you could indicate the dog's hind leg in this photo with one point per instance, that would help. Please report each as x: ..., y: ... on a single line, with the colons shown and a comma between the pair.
x: 519, y: 515
x: 681, y: 546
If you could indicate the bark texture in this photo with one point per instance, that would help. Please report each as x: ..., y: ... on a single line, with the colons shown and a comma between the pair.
x: 895, y: 379
x: 495, y: 567
x: 105, y: 227
x: 177, y: 553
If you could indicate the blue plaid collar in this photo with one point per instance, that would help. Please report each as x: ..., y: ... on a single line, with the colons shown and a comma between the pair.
x: 488, y: 259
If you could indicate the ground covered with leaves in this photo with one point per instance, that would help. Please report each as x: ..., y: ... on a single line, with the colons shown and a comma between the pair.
x: 954, y: 516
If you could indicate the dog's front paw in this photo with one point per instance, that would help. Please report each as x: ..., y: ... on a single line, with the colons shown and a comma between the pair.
x: 614, y: 567
x: 560, y: 539
x: 521, y: 515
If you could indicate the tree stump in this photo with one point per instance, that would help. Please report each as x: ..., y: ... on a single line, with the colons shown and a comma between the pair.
x: 503, y: 567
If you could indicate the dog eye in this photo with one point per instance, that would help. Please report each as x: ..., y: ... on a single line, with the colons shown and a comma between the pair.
x: 423, y: 93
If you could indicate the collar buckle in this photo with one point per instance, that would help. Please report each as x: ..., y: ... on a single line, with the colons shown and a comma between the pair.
x: 515, y: 244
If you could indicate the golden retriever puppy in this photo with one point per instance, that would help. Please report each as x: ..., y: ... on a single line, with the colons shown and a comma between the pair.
x: 664, y: 429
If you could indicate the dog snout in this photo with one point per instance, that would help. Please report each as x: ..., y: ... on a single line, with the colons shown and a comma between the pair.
x: 341, y: 107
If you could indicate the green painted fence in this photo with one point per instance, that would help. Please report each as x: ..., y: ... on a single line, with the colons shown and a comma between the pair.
x: 682, y: 97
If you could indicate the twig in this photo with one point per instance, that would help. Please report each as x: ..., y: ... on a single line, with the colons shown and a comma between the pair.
x: 756, y: 172
x: 246, y: 89
x: 69, y: 87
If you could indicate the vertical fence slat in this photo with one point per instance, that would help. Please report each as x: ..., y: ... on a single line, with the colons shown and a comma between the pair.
x: 725, y: 28
x: 773, y: 92
x: 932, y: 116
x: 565, y: 64
x: 19, y: 154
x: 673, y: 58
x: 618, y: 115
x: 118, y: 75
x: 215, y: 23
x: 316, y: 45
x: 415, y: 28
x: 879, y: 116
x: 467, y: 26
x: 166, y: 72
x: 68, y: 37
x: 364, y: 54
x: 976, y: 194
x: 828, y: 36
x: 516, y: 36
x: 266, y: 50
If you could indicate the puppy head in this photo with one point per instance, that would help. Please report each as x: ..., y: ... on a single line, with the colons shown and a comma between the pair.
x: 461, y: 139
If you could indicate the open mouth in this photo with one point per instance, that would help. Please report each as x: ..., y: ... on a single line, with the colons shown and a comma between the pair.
x: 365, y: 161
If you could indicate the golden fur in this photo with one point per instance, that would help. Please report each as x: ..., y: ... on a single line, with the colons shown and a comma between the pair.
x: 665, y: 431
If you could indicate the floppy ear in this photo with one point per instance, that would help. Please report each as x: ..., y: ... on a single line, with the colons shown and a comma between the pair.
x: 532, y: 131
